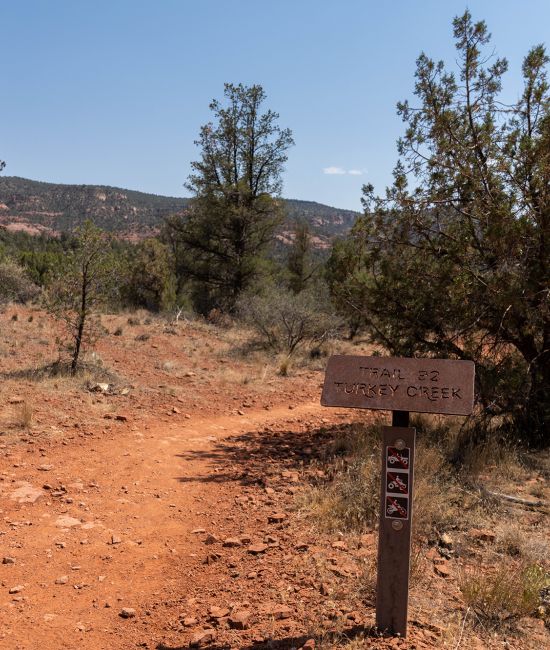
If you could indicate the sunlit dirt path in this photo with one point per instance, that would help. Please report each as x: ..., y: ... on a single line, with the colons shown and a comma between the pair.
x: 106, y: 522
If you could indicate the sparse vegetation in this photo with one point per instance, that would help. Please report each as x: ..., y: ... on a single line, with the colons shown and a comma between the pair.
x: 285, y: 321
x: 215, y: 399
x: 15, y: 285
x: 25, y: 413
x: 501, y: 594
x: 79, y: 288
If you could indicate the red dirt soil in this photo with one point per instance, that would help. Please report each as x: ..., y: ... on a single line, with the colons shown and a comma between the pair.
x: 120, y: 503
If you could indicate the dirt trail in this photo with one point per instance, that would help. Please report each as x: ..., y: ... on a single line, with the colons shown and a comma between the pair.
x: 105, y: 522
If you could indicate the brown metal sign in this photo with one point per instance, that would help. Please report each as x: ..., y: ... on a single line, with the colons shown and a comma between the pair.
x: 400, y: 384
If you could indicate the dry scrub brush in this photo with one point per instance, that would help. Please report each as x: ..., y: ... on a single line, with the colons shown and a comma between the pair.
x: 501, y: 594
x: 351, y: 500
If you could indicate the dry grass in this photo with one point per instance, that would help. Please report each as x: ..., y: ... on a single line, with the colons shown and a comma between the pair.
x: 24, y: 415
x: 351, y: 501
x: 501, y: 594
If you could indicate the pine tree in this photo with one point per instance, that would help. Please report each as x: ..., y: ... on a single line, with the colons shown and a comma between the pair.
x: 234, y: 210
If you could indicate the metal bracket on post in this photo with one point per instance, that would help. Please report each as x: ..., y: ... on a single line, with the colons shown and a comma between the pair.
x: 394, y: 538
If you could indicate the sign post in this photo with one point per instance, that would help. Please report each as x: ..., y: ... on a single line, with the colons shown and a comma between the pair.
x: 399, y: 385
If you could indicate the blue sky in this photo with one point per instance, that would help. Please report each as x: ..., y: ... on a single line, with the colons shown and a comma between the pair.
x: 114, y: 91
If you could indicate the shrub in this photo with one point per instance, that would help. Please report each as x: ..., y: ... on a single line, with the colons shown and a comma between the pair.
x: 15, y: 285
x: 509, y: 591
x: 285, y: 321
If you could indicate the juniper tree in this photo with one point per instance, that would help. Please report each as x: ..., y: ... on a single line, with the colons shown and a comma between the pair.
x: 454, y: 259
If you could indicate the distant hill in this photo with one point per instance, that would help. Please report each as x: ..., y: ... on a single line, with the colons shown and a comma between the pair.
x: 53, y: 208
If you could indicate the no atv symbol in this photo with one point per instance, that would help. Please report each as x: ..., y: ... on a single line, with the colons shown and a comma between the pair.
x: 397, y: 483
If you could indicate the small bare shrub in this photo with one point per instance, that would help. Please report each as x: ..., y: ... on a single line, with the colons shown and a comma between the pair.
x: 25, y: 415
x: 284, y: 367
x: 15, y: 285
x: 143, y: 337
x: 133, y: 321
x: 118, y: 331
x: 285, y: 321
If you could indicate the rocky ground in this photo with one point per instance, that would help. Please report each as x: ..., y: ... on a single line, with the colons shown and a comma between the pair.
x: 156, y: 504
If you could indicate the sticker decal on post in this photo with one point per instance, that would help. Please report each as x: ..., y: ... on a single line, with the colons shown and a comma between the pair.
x: 397, y: 507
x: 397, y: 483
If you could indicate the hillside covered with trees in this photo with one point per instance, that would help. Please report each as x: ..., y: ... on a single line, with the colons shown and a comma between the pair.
x: 54, y: 208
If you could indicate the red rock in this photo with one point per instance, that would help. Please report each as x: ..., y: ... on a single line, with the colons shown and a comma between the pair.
x: 341, y: 546
x: 232, y: 542
x: 256, y: 549
x: 202, y: 638
x: 481, y: 535
x: 218, y: 612
x: 276, y: 518
x: 278, y: 612
x: 442, y: 570
x: 240, y: 620
x: 127, y: 612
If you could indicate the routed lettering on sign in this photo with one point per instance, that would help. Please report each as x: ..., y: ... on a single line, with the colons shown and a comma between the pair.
x: 400, y: 384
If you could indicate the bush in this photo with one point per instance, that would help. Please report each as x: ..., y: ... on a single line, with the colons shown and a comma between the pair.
x: 510, y: 591
x: 285, y: 321
x: 15, y: 285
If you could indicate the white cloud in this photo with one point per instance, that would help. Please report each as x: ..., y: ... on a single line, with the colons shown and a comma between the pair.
x: 333, y: 170
x: 340, y: 171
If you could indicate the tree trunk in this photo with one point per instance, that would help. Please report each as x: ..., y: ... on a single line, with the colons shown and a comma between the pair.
x: 81, y: 322
x: 536, y: 418
x: 78, y: 344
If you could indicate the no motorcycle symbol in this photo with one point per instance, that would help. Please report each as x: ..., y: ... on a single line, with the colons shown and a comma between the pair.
x: 397, y: 482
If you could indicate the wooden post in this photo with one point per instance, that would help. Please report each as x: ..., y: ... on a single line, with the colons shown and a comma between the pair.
x: 394, y: 537
x: 398, y: 385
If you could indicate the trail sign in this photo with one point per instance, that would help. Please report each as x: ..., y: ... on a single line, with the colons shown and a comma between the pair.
x: 394, y: 384
x: 399, y: 385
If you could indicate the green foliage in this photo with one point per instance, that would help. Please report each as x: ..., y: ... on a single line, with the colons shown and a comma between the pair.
x: 284, y: 320
x: 39, y: 255
x: 348, y: 279
x: 233, y: 214
x: 80, y: 287
x: 301, y: 265
x: 454, y: 260
x: 151, y: 281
